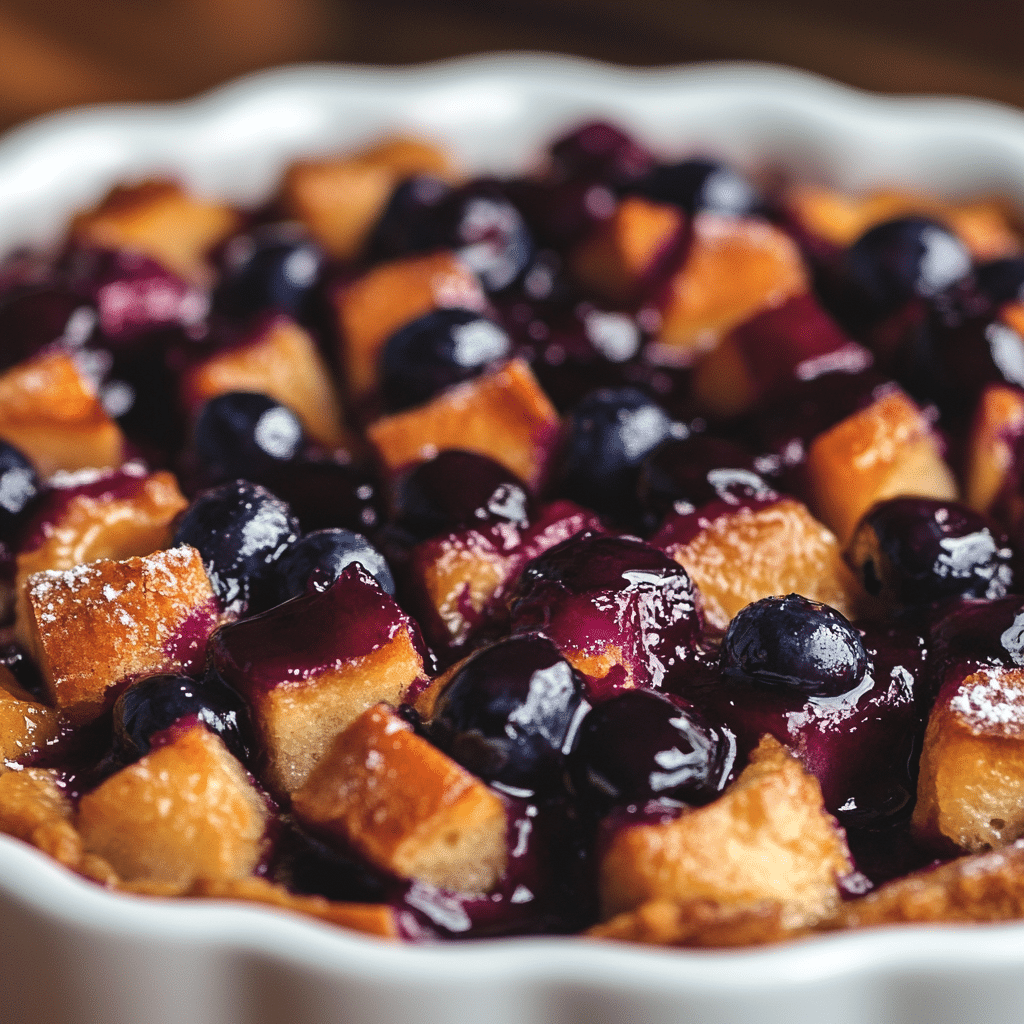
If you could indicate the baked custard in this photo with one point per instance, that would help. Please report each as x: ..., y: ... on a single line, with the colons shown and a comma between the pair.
x: 632, y: 548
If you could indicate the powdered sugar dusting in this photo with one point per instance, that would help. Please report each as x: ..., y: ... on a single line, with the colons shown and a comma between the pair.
x: 992, y: 700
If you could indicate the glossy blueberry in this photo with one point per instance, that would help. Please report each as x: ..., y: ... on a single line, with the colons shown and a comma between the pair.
x: 410, y: 222
x: 240, y: 529
x: 1002, y: 280
x: 510, y: 713
x: 642, y: 745
x: 157, y: 702
x: 244, y: 434
x: 906, y: 258
x: 273, y: 266
x: 914, y: 551
x: 435, y: 351
x: 19, y: 487
x: 318, y: 558
x: 607, y: 436
x: 602, y: 151
x: 794, y: 642
x: 699, y: 184
x: 456, y: 489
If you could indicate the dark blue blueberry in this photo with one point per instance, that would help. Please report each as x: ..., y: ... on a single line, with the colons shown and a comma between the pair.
x: 244, y: 434
x: 510, y: 714
x: 440, y: 349
x: 156, y: 703
x: 699, y: 184
x: 902, y: 259
x: 914, y: 551
x: 794, y: 642
x: 19, y: 487
x: 273, y: 266
x: 1002, y: 280
x: 607, y: 436
x: 641, y: 745
x: 26, y: 672
x: 318, y: 559
x: 241, y: 530
x: 410, y: 222
x: 457, y: 489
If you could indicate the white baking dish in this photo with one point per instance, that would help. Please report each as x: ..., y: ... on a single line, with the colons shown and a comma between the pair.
x: 70, y: 952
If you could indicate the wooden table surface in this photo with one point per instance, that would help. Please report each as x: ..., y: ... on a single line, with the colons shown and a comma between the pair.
x: 56, y: 53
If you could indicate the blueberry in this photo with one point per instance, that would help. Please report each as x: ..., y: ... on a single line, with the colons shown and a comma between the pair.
x: 156, y: 703
x: 902, y: 259
x: 19, y: 487
x: 607, y: 436
x: 244, y: 434
x: 1002, y: 280
x: 794, y: 642
x: 599, y: 151
x: 914, y: 551
x: 240, y: 529
x: 510, y: 713
x: 436, y: 351
x: 318, y: 558
x: 699, y: 184
x: 273, y: 266
x: 410, y: 222
x: 457, y: 489
x: 642, y: 745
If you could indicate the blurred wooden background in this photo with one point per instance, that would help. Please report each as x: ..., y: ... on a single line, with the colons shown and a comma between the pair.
x: 56, y: 53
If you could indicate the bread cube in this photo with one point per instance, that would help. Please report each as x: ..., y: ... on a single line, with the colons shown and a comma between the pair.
x: 629, y: 248
x: 767, y: 838
x: 970, y: 790
x: 406, y: 807
x: 992, y: 450
x: 50, y: 411
x: 26, y: 726
x: 735, y: 267
x: 97, y: 625
x: 162, y: 221
x: 884, y: 451
x: 90, y: 515
x: 311, y: 666
x: 372, y: 307
x: 280, y: 360
x: 737, y: 554
x: 503, y: 414
x: 766, y: 357
x: 340, y: 199
x: 184, y: 811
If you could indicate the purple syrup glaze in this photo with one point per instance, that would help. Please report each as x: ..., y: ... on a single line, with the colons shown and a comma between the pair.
x: 547, y: 888
x: 113, y: 484
x: 592, y: 592
x: 679, y: 528
x: 187, y: 644
x: 310, y: 634
x: 862, y: 746
x: 504, y: 545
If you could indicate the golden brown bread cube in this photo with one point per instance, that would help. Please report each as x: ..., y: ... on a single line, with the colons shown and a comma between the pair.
x: 26, y: 726
x: 186, y: 810
x: 281, y: 361
x: 970, y: 790
x: 626, y: 250
x: 161, y: 220
x: 340, y: 199
x: 311, y: 666
x: 883, y: 451
x: 998, y: 423
x: 503, y: 414
x: 768, y: 838
x: 746, y: 553
x: 405, y: 806
x: 50, y: 411
x: 734, y: 267
x: 372, y: 307
x: 114, y: 515
x: 96, y: 625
